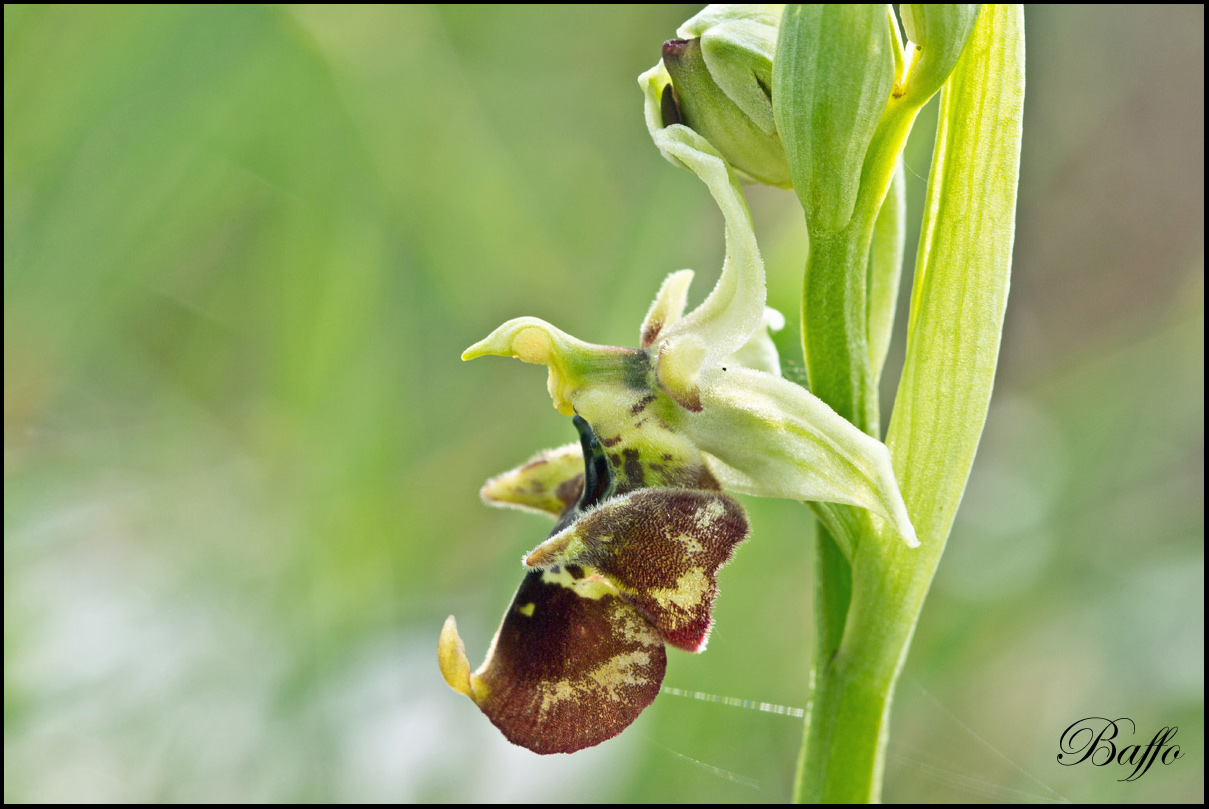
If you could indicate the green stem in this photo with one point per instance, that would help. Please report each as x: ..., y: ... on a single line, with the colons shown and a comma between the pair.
x: 956, y: 317
x: 835, y: 338
x: 846, y: 705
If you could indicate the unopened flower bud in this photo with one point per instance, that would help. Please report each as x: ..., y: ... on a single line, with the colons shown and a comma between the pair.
x: 716, y: 79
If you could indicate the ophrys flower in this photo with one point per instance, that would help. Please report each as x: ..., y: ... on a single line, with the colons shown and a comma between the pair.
x: 632, y: 561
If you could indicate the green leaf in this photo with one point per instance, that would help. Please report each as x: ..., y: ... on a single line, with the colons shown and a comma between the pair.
x: 962, y: 273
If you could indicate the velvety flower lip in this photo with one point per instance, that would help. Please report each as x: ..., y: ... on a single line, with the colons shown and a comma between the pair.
x: 580, y: 652
x: 642, y: 524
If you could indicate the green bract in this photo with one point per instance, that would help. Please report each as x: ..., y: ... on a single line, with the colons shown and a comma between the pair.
x: 833, y: 75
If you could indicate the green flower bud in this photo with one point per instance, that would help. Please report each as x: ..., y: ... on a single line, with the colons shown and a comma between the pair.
x: 716, y: 79
x: 833, y: 76
x: 938, y: 34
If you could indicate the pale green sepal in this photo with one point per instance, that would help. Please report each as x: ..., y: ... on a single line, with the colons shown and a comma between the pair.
x: 766, y: 436
x: 832, y: 77
x: 735, y: 307
x: 938, y: 33
x: 885, y: 270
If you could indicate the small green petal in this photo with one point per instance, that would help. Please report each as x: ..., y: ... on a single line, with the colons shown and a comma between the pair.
x: 667, y: 308
x: 549, y: 482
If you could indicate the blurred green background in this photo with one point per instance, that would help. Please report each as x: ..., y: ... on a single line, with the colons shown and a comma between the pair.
x: 243, y: 249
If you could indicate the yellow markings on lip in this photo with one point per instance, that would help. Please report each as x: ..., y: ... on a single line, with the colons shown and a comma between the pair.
x: 592, y: 586
x: 608, y: 678
x: 708, y: 514
x: 690, y: 543
x: 690, y: 591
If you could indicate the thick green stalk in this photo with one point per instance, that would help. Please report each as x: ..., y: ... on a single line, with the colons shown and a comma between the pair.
x: 841, y: 370
x: 835, y: 313
x: 957, y: 306
x: 886, y: 269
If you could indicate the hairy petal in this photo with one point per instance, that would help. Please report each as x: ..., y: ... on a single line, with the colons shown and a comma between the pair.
x: 667, y: 308
x: 661, y: 549
x: 548, y: 483
x: 572, y: 664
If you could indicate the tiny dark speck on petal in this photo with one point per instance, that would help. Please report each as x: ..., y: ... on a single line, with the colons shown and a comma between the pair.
x: 634, y: 471
x: 641, y: 404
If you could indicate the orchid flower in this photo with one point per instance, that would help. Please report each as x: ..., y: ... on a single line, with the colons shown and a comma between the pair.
x: 642, y: 523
